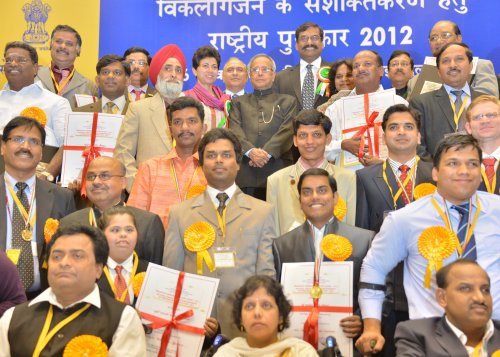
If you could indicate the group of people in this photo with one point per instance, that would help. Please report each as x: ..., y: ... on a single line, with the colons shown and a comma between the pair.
x: 264, y: 171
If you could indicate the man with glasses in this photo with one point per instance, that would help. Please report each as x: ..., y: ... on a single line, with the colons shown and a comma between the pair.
x: 139, y: 60
x: 105, y: 182
x: 262, y: 121
x: 444, y: 32
x: 400, y: 71
x: 235, y: 77
x: 300, y: 81
x: 483, y: 123
x: 61, y: 77
x: 26, y: 202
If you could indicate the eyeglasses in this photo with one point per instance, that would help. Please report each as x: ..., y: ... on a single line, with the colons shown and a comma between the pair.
x: 442, y: 36
x: 103, y: 176
x: 140, y: 63
x: 20, y: 140
x: 17, y: 59
x: 262, y: 69
x: 397, y: 64
x: 485, y: 115
x: 313, y: 38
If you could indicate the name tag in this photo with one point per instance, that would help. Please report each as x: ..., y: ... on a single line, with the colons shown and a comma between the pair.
x: 224, y: 257
x: 13, y: 255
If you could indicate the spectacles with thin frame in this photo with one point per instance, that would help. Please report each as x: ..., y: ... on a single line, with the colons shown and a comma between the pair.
x: 262, y: 69
x: 442, y: 36
x: 20, y: 140
x: 490, y: 116
x: 140, y: 63
x: 103, y: 176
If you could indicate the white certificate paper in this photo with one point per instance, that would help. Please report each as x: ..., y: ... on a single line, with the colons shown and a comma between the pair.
x: 336, y: 283
x: 156, y: 298
x: 77, y: 137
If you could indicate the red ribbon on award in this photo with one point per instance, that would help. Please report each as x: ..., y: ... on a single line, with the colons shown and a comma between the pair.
x: 157, y: 322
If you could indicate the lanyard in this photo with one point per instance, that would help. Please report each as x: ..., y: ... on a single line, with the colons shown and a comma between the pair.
x: 446, y: 219
x: 29, y: 222
x: 60, y: 88
x: 478, y: 350
x: 402, y: 185
x: 456, y: 117
x: 188, y: 184
x: 47, y: 335
x: 316, y: 289
x: 222, y: 223
x: 489, y: 188
x: 92, y: 219
x: 112, y: 284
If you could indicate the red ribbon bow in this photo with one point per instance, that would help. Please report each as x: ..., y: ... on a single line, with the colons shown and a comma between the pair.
x: 90, y: 153
x: 370, y: 123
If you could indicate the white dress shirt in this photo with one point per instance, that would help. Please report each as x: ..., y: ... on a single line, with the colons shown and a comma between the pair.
x: 316, y: 64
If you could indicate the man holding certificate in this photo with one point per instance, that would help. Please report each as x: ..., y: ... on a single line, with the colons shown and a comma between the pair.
x: 222, y: 233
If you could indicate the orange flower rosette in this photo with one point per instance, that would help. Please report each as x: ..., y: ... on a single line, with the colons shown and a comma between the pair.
x: 422, y: 190
x: 35, y: 113
x: 436, y: 244
x: 336, y: 248
x: 198, y: 237
x: 496, y: 353
x: 340, y: 209
x: 50, y: 228
x: 195, y: 190
x: 137, y: 283
x: 86, y: 346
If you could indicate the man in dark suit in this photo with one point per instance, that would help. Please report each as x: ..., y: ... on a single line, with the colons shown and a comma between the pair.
x: 105, y: 181
x: 26, y: 202
x: 379, y: 190
x: 113, y: 77
x: 292, y: 80
x: 466, y: 329
x: 139, y: 60
x: 443, y: 110
x: 483, y: 123
x: 318, y: 197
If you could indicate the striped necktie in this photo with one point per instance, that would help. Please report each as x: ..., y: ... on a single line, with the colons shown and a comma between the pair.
x: 470, y: 251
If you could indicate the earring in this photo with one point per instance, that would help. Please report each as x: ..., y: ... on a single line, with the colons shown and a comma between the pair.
x: 280, y: 326
x: 242, y: 328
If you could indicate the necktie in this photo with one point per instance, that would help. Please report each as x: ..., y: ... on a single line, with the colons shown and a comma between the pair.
x: 64, y: 75
x: 489, y: 168
x: 458, y: 105
x: 111, y: 108
x: 409, y: 186
x: 308, y: 89
x: 222, y: 197
x: 137, y: 93
x: 234, y: 96
x: 25, y: 263
x: 470, y: 250
x: 121, y: 284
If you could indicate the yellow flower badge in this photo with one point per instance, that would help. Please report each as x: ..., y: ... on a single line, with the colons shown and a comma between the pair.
x: 86, y: 346
x: 436, y: 244
x: 336, y: 248
x: 137, y: 283
x: 50, y: 228
x: 422, y: 190
x: 35, y: 113
x: 195, y: 190
x: 198, y: 237
x: 496, y: 353
x: 340, y: 209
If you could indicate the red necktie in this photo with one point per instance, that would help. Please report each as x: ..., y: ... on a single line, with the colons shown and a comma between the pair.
x: 489, y: 168
x: 409, y: 186
x: 138, y: 93
x: 121, y: 284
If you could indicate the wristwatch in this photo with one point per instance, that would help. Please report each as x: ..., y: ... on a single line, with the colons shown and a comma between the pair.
x: 48, y: 175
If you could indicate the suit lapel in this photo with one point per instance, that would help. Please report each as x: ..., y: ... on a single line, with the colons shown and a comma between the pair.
x: 206, y: 208
x: 235, y: 206
x: 44, y: 203
x: 382, y: 185
x: 448, y: 340
x: 3, y: 215
x: 127, y: 102
x: 46, y: 80
x: 304, y: 245
x: 159, y: 119
x: 75, y: 82
x: 443, y: 101
x: 150, y: 92
x: 295, y: 77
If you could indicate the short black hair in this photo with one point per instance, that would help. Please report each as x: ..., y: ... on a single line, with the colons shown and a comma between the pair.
x: 398, y: 53
x: 101, y: 248
x: 455, y: 141
x: 312, y: 117
x: 333, y: 72
x: 205, y: 52
x: 186, y: 102
x: 442, y: 274
x: 468, y: 52
x: 106, y: 60
x: 307, y: 25
x: 136, y: 49
x: 67, y: 28
x: 273, y: 288
x: 217, y: 134
x: 401, y: 108
x: 315, y: 171
x: 105, y: 219
x: 24, y: 46
x: 20, y: 121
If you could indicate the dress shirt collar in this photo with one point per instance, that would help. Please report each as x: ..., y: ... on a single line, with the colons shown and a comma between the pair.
x: 54, y: 67
x: 466, y: 90
x: 240, y: 93
x: 127, y: 264
x: 34, y: 87
x: 353, y: 92
x: 172, y: 154
x: 396, y: 165
x: 48, y: 295
x: 495, y: 154
x: 304, y: 166
x: 144, y: 88
x: 463, y: 338
x: 316, y: 64
x: 120, y: 102
x: 12, y: 181
x: 212, y: 192
x: 440, y: 201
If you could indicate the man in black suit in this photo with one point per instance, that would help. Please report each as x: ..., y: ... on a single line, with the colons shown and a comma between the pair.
x: 26, y: 202
x: 466, y: 329
x: 318, y: 197
x: 105, y: 181
x: 293, y: 80
x: 379, y: 190
x: 443, y: 110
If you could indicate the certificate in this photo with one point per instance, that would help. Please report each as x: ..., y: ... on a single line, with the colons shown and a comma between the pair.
x: 77, y: 138
x: 335, y: 303
x: 157, y: 299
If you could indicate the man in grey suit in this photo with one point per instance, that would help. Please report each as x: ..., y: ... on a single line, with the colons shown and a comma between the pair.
x: 443, y: 110
x: 105, y: 182
x: 291, y: 80
x: 238, y: 230
x: 22, y: 192
x: 318, y: 197
x: 466, y: 329
x: 61, y: 77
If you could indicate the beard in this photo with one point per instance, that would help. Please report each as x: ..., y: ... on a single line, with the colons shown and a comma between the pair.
x: 169, y: 89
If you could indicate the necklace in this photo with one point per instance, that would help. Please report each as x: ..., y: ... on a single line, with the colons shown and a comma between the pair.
x: 264, y: 120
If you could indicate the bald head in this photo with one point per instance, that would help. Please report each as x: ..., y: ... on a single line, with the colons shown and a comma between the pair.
x: 105, y: 182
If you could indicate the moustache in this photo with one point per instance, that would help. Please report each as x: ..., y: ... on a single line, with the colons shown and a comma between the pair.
x: 136, y: 70
x: 62, y: 50
x: 310, y: 46
x: 23, y: 152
